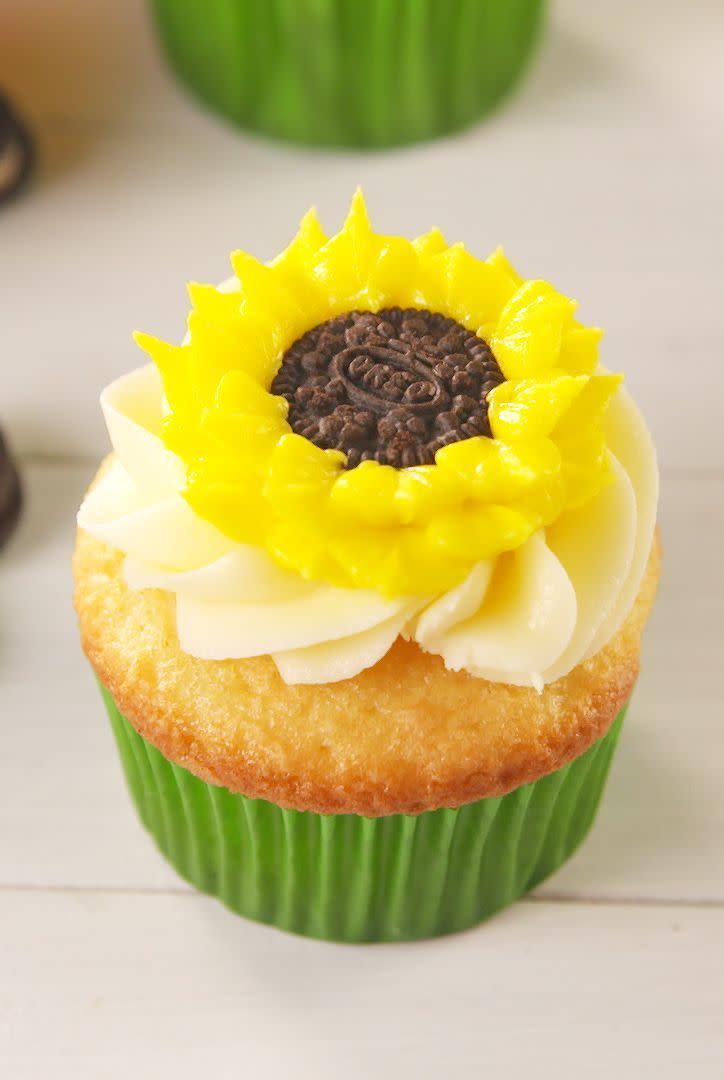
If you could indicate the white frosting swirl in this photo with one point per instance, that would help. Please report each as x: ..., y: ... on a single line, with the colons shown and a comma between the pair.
x: 525, y: 618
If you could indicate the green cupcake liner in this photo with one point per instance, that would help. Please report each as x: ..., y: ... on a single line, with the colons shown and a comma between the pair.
x: 355, y: 879
x: 365, y: 73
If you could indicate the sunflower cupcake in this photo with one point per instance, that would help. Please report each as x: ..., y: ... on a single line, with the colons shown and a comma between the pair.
x: 364, y: 581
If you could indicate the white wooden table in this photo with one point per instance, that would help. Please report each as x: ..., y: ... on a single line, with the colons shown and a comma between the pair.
x: 605, y: 173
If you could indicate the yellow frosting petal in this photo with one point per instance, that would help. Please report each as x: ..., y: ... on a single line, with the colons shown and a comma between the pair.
x: 529, y: 408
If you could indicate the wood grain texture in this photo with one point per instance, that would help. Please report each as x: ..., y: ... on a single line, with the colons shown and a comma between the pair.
x: 114, y: 986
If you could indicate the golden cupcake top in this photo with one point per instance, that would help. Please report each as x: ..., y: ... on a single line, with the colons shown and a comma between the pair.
x: 371, y: 437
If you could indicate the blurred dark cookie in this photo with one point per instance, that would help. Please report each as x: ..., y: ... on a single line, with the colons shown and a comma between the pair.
x: 16, y: 152
x: 10, y: 492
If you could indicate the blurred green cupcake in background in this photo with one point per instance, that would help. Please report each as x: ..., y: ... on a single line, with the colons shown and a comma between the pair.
x: 366, y: 73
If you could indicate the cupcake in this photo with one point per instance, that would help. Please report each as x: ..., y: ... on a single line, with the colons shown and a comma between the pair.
x: 364, y: 580
x: 349, y: 72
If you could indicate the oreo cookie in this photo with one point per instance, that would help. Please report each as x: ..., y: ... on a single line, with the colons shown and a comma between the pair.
x: 16, y: 152
x: 393, y: 386
x: 10, y: 492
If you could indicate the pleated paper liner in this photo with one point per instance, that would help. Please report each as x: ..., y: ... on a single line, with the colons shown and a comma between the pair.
x: 362, y: 73
x: 355, y: 879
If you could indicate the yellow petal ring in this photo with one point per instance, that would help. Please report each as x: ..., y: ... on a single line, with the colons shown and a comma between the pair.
x: 414, y: 530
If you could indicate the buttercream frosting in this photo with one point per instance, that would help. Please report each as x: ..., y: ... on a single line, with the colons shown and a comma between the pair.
x: 525, y: 617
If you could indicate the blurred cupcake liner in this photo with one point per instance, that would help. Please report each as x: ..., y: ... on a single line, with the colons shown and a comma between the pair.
x: 354, y: 879
x: 361, y: 73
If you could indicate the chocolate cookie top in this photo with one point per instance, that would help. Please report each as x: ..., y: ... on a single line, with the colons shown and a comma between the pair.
x: 10, y: 495
x: 394, y: 386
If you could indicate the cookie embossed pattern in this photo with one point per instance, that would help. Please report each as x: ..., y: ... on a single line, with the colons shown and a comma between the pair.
x: 393, y: 386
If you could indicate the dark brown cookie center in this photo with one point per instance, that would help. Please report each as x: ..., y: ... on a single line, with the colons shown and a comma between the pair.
x: 393, y: 386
